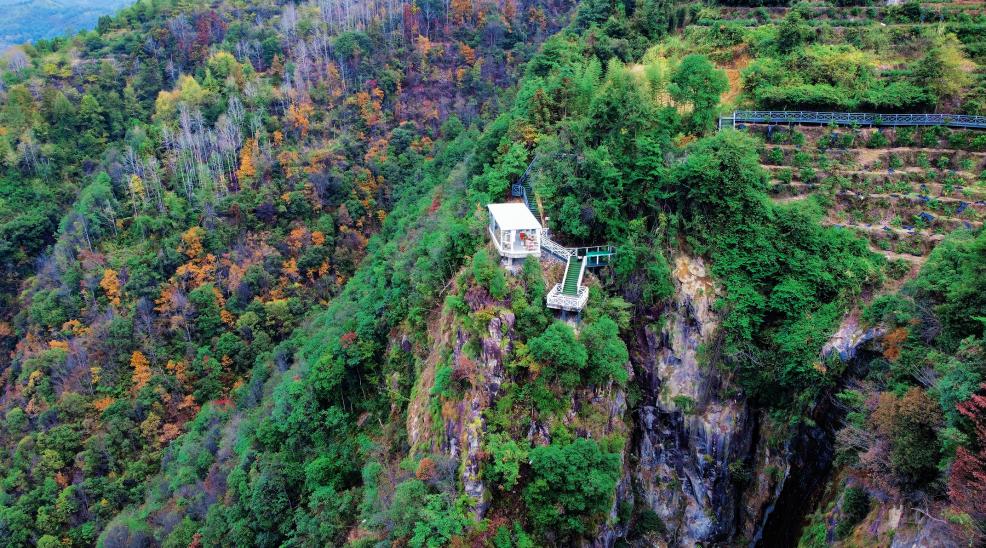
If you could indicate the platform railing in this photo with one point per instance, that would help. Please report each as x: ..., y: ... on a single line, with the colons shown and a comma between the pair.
x: 572, y: 303
x: 850, y: 118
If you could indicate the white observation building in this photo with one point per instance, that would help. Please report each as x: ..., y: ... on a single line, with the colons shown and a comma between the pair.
x: 515, y: 231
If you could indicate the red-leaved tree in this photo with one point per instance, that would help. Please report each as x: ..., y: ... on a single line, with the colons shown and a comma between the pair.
x: 967, y: 485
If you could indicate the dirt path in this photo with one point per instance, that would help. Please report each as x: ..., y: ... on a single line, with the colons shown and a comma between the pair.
x: 912, y: 197
x: 891, y: 255
x: 885, y: 150
x: 967, y: 175
x: 789, y: 199
x: 884, y: 229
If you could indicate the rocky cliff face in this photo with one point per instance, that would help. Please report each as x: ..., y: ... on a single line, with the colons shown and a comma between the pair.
x: 707, y: 464
x: 460, y: 434
x: 688, y: 429
x: 460, y: 431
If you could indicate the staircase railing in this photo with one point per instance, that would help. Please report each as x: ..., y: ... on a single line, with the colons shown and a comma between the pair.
x: 522, y: 187
x: 596, y: 256
x: 556, y: 249
x: 578, y: 283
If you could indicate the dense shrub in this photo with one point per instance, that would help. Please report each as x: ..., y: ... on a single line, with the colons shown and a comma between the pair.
x: 562, y: 355
x: 855, y: 507
x: 571, y: 488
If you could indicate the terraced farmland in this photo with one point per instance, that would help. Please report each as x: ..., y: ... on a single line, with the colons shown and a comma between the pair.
x: 903, y: 189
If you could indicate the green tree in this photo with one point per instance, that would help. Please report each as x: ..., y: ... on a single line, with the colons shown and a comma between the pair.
x: 207, y: 312
x: 438, y: 522
x: 510, y: 167
x: 270, y: 507
x: 620, y: 111
x: 955, y: 280
x: 721, y: 184
x: 607, y: 353
x: 561, y: 353
x: 593, y: 12
x: 641, y: 268
x: 409, y: 497
x: 515, y: 538
x: 19, y: 112
x: 506, y: 455
x: 571, y: 488
x: 698, y: 82
x: 942, y: 69
x: 488, y: 274
x: 92, y: 124
x: 916, y: 448
x: 793, y: 31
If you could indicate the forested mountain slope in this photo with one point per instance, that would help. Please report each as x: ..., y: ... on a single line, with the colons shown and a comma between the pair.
x: 185, y: 158
x: 248, y: 297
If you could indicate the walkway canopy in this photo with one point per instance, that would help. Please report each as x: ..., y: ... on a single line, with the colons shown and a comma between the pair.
x: 513, y: 216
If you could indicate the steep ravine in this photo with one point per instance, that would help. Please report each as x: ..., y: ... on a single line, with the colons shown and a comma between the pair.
x: 810, y: 452
x: 808, y: 457
x: 708, y: 465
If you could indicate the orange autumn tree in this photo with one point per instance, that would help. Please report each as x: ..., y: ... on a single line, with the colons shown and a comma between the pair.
x: 290, y: 162
x: 423, y: 47
x: 201, y: 266
x: 468, y: 53
x: 509, y: 10
x: 191, y: 242
x: 892, y: 343
x: 141, y: 370
x: 111, y: 286
x: 299, y: 117
x: 298, y: 238
x: 247, y: 170
x: 462, y: 10
x: 370, y: 105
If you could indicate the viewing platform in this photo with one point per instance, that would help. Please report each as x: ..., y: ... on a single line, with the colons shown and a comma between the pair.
x: 570, y: 295
x: 517, y: 234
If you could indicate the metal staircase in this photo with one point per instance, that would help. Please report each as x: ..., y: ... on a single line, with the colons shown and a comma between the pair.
x: 523, y: 189
x: 573, y: 276
x: 570, y: 295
